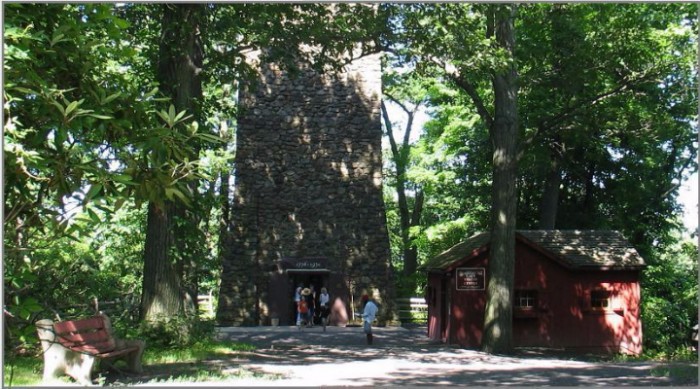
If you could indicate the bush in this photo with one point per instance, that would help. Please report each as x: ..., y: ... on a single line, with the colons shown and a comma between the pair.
x: 670, y: 301
x: 178, y: 331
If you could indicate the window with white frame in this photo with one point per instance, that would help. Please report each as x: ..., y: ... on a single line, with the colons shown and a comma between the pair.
x: 525, y: 299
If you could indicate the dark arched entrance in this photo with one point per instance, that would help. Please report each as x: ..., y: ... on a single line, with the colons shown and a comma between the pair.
x: 306, y: 279
x: 286, y: 276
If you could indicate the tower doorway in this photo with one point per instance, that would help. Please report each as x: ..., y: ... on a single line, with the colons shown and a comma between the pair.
x: 306, y: 280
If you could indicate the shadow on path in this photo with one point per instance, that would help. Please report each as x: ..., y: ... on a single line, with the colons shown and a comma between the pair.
x: 339, y: 357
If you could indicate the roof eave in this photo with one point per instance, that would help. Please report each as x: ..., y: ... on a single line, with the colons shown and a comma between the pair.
x: 612, y: 267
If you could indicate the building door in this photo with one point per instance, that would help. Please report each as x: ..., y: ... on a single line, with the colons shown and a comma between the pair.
x: 445, y: 308
x: 305, y: 280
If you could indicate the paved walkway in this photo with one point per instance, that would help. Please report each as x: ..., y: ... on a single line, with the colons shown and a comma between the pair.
x: 403, y: 357
x: 333, y: 336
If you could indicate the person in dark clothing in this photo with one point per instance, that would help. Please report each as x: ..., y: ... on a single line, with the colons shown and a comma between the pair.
x: 311, y: 300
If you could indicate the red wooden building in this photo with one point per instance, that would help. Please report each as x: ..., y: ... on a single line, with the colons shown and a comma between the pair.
x: 573, y: 290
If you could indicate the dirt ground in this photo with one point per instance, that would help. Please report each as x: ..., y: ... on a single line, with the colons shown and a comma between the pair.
x: 403, y: 357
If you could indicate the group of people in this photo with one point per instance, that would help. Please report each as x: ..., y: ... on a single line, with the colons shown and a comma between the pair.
x: 307, y: 307
x: 306, y: 302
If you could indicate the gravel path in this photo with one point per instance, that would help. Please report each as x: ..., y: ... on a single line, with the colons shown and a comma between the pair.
x: 403, y: 357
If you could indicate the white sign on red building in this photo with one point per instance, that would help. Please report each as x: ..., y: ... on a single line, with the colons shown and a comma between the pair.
x: 471, y: 278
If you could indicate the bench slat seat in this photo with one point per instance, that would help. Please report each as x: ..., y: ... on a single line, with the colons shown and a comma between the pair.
x: 85, y: 335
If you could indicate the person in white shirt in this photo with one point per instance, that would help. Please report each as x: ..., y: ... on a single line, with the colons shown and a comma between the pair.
x: 324, y: 304
x: 368, y: 315
x: 297, y: 298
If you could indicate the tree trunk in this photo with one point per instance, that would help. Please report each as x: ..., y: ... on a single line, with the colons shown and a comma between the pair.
x: 407, y: 218
x: 181, y: 54
x: 161, y: 296
x: 225, y: 203
x: 179, y: 66
x: 587, y: 208
x: 498, y: 321
x: 224, y: 194
x: 187, y: 247
x: 410, y: 250
x: 549, y: 204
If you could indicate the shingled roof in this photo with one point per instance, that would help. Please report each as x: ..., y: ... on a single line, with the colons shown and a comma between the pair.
x: 468, y: 248
x: 578, y: 249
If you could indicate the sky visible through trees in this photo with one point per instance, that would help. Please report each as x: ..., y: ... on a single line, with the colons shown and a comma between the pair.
x: 688, y: 196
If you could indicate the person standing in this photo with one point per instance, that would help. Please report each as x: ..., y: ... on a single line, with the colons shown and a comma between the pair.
x: 324, y: 307
x: 307, y: 297
x: 303, y: 308
x: 297, y: 298
x: 311, y: 300
x: 368, y: 314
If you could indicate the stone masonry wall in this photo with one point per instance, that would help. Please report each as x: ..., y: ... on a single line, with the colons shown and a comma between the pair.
x: 308, y: 183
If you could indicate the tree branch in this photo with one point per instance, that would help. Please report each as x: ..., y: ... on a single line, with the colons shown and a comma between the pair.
x: 476, y: 99
x: 390, y: 131
x: 453, y: 74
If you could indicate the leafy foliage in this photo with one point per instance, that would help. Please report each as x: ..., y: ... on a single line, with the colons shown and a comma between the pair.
x: 175, y: 332
x: 670, y: 300
x: 83, y: 136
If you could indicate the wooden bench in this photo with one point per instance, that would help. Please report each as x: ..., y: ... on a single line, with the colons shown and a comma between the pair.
x: 71, y: 347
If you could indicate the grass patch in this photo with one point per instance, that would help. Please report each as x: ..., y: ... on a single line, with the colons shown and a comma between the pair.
x: 679, y: 373
x: 22, y: 370
x: 680, y: 365
x: 214, y: 376
x: 682, y: 354
x: 188, y: 364
x: 194, y: 353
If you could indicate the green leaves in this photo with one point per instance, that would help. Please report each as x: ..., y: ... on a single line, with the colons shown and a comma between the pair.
x: 171, y: 118
x: 173, y: 194
x: 57, y: 39
x: 24, y: 308
x: 94, y: 217
x: 109, y: 98
x: 92, y: 193
x: 670, y: 303
x: 72, y: 110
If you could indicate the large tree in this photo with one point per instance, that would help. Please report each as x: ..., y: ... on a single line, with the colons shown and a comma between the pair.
x: 409, y: 95
x: 473, y: 46
x: 498, y: 321
x: 85, y: 134
x: 180, y: 62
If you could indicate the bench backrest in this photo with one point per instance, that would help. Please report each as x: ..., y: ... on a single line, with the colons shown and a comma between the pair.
x: 85, y: 335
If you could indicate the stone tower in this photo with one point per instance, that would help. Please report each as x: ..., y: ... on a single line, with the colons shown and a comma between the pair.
x: 308, y: 206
